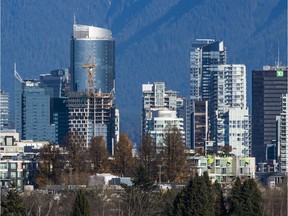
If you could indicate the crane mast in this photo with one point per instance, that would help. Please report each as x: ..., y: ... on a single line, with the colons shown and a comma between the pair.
x: 90, y: 79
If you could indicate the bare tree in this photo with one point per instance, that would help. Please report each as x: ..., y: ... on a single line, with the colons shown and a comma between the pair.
x: 51, y: 163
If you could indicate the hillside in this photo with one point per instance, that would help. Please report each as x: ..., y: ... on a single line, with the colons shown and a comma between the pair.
x: 153, y: 39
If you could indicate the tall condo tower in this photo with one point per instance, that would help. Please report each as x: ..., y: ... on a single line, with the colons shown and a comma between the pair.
x: 205, y: 56
x: 97, y: 43
x: 4, y: 110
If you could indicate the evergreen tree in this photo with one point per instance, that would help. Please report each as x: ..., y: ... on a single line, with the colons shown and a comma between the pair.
x: 81, y: 205
x: 13, y: 203
x: 194, y: 199
x: 235, y: 199
x: 252, y: 198
x: 142, y: 178
x: 219, y: 201
x: 245, y: 199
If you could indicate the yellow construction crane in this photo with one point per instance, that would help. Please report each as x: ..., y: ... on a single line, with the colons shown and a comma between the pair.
x: 90, y: 80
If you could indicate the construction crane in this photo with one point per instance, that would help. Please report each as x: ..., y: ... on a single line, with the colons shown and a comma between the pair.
x: 90, y: 80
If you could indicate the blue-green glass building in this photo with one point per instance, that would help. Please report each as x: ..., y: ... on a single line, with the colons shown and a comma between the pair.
x: 97, y: 43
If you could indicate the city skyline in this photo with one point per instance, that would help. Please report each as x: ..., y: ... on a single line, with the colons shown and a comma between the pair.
x: 145, y: 52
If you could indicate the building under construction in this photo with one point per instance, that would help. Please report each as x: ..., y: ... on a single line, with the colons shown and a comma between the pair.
x: 92, y: 114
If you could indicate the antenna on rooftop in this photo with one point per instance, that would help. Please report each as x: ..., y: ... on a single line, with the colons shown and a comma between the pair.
x: 74, y: 19
x: 278, y: 59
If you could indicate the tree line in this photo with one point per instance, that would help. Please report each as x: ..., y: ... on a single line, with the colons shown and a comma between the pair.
x: 199, y: 197
x: 74, y: 163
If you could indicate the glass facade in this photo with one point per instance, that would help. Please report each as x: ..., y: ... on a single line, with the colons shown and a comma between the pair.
x: 32, y: 111
x: 102, y: 50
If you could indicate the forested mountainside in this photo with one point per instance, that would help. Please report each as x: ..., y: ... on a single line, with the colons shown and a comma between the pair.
x: 153, y: 39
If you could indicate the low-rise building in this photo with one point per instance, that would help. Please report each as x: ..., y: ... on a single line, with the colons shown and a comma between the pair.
x: 224, y: 169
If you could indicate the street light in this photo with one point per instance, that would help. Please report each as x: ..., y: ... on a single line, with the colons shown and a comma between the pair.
x: 160, y: 173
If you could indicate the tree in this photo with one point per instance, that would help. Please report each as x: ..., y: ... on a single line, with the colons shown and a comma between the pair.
x: 219, y: 201
x: 194, y: 199
x: 81, y: 205
x: 123, y: 161
x: 99, y: 155
x: 138, y: 202
x: 50, y: 165
x: 146, y: 169
x: 275, y: 200
x: 173, y: 154
x: 235, y: 201
x: 252, y: 198
x: 142, y: 178
x: 13, y: 203
x: 245, y: 199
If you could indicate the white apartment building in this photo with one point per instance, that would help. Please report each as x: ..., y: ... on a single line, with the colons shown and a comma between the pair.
x: 284, y: 135
x: 161, y: 107
x: 224, y: 169
x: 228, y: 100
x: 161, y: 121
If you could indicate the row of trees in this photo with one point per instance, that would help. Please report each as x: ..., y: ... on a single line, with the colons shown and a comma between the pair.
x: 73, y: 163
x: 198, y: 197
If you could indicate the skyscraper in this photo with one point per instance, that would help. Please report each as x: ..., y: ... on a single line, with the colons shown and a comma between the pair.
x: 91, y: 101
x: 4, y: 110
x: 205, y: 56
x: 92, y: 114
x: 32, y: 111
x: 268, y: 85
x: 97, y: 43
x: 228, y: 90
x: 284, y: 134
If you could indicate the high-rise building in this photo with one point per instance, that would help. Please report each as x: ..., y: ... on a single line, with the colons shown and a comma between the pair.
x: 200, y: 123
x: 92, y: 114
x: 284, y: 134
x: 237, y: 131
x: 56, y: 83
x: 32, y: 111
x: 97, y: 43
x: 228, y: 90
x: 4, y: 110
x: 268, y: 85
x: 92, y: 110
x: 205, y: 56
x: 161, y: 108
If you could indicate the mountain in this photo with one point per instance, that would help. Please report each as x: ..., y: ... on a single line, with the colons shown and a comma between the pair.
x: 153, y: 40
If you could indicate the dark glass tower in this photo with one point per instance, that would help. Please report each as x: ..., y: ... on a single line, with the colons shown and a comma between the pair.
x: 268, y: 85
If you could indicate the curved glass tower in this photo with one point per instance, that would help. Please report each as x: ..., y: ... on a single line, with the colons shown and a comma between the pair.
x: 98, y: 43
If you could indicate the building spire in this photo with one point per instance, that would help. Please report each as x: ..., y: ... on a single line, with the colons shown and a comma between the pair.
x: 278, y: 59
x: 74, y: 19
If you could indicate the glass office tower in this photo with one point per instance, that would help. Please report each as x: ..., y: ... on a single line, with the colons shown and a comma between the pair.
x: 97, y: 43
x: 32, y: 111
